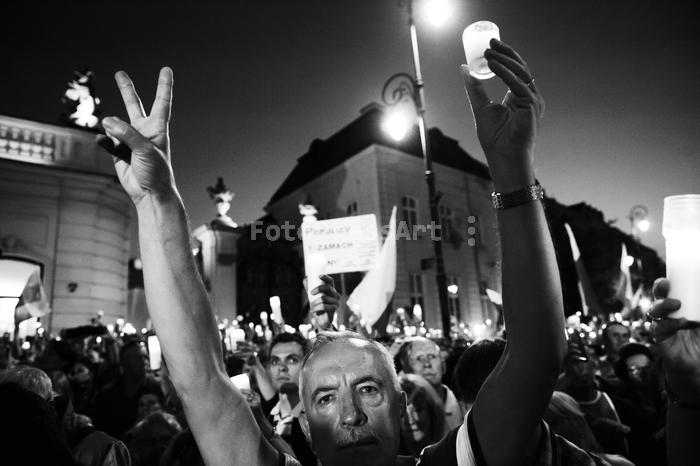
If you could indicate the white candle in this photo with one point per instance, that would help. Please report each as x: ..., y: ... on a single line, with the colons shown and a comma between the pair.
x: 681, y: 228
x: 476, y: 38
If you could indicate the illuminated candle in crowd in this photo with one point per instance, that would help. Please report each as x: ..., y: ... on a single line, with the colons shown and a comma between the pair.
x: 681, y: 229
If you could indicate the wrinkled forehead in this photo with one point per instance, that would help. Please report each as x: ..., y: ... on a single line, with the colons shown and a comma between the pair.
x: 342, y: 362
x: 424, y: 347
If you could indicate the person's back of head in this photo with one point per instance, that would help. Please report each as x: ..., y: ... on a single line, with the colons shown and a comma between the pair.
x: 30, y: 378
x: 474, y: 366
x: 149, y: 438
x: 29, y: 429
x: 565, y: 418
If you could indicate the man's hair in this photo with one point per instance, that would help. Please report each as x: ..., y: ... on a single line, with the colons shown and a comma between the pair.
x: 474, y: 367
x: 288, y: 338
x: 404, y: 355
x: 327, y: 338
x: 31, y: 379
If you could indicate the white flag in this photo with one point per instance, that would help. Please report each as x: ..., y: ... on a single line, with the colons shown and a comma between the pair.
x: 372, y: 295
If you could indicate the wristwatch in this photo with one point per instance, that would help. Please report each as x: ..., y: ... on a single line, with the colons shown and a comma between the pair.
x: 531, y: 193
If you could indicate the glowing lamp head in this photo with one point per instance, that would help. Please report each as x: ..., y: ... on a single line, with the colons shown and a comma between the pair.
x: 643, y: 225
x: 396, y: 124
x: 437, y: 12
x: 453, y: 289
x: 629, y: 260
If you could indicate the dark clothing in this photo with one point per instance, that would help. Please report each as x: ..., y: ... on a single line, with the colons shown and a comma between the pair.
x: 553, y: 450
x: 115, y: 412
x: 645, y: 415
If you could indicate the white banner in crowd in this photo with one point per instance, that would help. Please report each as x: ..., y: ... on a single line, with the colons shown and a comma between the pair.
x: 350, y: 244
x: 372, y: 295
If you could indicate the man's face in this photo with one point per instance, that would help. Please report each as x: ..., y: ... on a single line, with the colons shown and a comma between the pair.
x: 148, y: 403
x: 353, y: 409
x: 617, y: 335
x: 424, y: 358
x: 638, y: 366
x: 285, y: 362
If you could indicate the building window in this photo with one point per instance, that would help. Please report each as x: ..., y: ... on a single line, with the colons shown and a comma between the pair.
x: 351, y: 209
x: 453, y: 295
x: 409, y: 205
x: 415, y: 288
x: 445, y: 222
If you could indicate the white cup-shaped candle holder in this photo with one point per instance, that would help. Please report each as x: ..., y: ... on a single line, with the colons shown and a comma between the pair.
x: 681, y: 229
x: 476, y: 39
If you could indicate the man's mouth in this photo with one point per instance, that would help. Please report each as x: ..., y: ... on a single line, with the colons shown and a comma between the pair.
x: 358, y: 443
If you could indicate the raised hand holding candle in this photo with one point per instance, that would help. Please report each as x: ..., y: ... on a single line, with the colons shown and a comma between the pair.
x: 681, y: 228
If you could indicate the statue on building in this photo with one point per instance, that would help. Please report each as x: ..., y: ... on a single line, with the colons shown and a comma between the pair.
x: 82, y: 107
x: 308, y: 212
x: 222, y: 197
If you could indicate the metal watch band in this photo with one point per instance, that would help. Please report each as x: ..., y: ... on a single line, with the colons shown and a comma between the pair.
x: 530, y: 193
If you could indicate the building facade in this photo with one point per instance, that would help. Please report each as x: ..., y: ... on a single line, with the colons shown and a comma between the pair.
x: 359, y: 170
x: 62, y: 207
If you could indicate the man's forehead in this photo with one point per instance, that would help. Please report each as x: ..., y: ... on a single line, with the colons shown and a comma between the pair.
x: 424, y: 347
x: 288, y: 347
x: 339, y: 357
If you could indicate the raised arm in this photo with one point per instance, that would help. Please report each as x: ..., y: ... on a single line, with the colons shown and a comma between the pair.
x: 509, y: 407
x: 219, y: 417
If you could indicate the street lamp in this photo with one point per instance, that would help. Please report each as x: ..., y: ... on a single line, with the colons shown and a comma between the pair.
x: 638, y: 220
x: 399, y: 91
x: 640, y: 224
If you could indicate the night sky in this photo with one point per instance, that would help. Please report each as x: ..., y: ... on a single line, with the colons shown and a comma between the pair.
x: 257, y: 81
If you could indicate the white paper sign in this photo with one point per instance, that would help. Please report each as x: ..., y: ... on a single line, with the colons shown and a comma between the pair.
x: 350, y: 244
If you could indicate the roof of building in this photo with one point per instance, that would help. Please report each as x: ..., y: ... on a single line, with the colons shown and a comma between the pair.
x: 364, y: 131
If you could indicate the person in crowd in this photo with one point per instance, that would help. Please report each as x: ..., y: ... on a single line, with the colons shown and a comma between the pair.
x: 615, y: 335
x: 149, y: 401
x: 579, y: 381
x: 640, y: 405
x: 68, y: 435
x: 351, y: 394
x: 421, y: 356
x: 474, y: 368
x: 424, y: 421
x: 565, y: 418
x: 116, y: 407
x: 81, y: 376
x: 30, y: 431
x: 148, y: 439
x: 286, y: 351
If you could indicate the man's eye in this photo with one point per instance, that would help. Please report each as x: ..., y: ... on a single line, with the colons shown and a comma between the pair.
x: 325, y: 399
x: 369, y: 390
x: 293, y: 360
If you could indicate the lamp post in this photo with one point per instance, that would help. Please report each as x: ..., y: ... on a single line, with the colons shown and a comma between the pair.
x: 640, y: 224
x: 399, y: 87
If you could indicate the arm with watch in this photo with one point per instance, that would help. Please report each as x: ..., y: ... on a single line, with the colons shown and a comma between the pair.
x: 678, y: 342
x: 505, y: 421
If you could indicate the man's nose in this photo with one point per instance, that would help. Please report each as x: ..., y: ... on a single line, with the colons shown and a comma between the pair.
x: 351, y: 412
x: 283, y: 368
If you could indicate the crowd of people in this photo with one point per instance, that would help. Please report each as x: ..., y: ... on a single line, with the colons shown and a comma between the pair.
x: 541, y: 392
